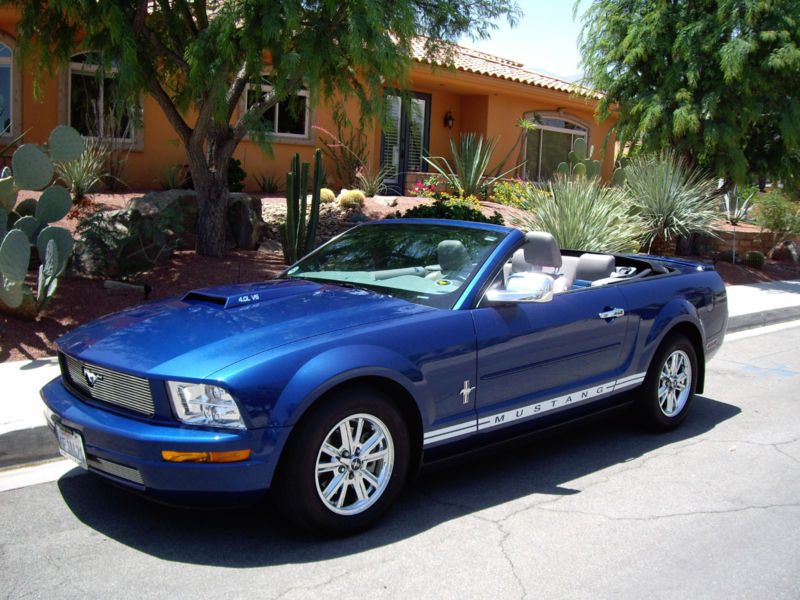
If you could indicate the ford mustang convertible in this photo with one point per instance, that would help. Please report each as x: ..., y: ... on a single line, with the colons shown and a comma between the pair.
x: 396, y: 344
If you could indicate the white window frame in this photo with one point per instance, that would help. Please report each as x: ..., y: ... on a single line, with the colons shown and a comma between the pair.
x: 303, y: 92
x: 15, y: 91
x: 551, y: 115
x: 84, y: 69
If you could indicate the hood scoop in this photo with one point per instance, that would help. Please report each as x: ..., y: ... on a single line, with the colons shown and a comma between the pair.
x: 225, y: 301
x: 240, y: 295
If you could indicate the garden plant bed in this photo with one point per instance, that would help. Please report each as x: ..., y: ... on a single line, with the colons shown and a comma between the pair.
x: 80, y: 300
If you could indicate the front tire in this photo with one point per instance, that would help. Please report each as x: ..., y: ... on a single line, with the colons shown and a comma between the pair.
x: 346, y: 463
x: 670, y: 385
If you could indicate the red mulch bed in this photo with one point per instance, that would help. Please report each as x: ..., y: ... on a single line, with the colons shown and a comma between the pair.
x: 80, y: 300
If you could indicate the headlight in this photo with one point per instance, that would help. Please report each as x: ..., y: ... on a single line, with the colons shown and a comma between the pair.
x: 204, y: 404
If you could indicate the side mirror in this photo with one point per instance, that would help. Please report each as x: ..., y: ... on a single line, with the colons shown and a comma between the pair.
x: 522, y: 288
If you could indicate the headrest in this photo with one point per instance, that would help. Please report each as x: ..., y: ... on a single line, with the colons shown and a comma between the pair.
x: 541, y: 249
x: 594, y: 266
x: 452, y: 255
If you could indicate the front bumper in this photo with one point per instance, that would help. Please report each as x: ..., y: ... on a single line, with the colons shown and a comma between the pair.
x: 128, y: 450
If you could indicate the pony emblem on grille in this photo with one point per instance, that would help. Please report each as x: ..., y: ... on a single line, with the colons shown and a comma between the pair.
x: 91, y: 377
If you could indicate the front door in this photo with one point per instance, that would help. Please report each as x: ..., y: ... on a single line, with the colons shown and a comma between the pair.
x: 404, y: 139
x: 542, y: 358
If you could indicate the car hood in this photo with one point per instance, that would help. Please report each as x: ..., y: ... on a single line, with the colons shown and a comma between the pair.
x: 209, y: 329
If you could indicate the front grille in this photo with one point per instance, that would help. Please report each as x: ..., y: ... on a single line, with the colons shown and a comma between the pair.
x: 115, y: 469
x: 113, y: 387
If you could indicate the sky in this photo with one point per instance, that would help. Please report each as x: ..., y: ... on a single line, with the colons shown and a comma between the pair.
x: 545, y: 40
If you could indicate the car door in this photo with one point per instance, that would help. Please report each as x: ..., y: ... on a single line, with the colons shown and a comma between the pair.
x: 543, y: 358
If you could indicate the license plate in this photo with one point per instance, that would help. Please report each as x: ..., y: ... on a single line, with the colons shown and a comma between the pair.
x: 70, y: 444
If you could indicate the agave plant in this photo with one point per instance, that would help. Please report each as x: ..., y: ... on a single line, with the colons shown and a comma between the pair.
x: 85, y: 172
x: 467, y: 174
x: 672, y: 198
x: 583, y: 214
x: 370, y: 181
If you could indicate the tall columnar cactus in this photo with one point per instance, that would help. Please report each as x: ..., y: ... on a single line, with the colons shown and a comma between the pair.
x: 298, y: 236
x: 26, y: 225
x: 580, y: 164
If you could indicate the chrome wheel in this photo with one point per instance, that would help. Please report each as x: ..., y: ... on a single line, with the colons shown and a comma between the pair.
x: 675, y: 383
x: 354, y: 464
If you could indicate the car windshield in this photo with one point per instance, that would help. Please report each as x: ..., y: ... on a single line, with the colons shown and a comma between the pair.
x: 426, y: 264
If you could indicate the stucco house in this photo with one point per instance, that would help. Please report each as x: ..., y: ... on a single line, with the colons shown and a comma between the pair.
x: 478, y: 92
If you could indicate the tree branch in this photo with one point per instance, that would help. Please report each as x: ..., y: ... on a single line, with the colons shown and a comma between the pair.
x: 140, y: 26
x: 187, y: 14
x: 201, y: 13
x: 236, y: 90
x: 259, y: 107
x: 170, y: 110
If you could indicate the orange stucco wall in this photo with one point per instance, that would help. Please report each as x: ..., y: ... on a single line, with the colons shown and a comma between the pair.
x: 485, y: 105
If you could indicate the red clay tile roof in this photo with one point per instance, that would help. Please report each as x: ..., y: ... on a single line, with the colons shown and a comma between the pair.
x: 473, y: 61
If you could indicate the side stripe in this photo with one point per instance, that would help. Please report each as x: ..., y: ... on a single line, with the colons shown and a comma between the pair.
x: 531, y: 410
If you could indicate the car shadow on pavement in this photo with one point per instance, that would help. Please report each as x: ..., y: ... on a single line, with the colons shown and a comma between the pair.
x: 256, y: 536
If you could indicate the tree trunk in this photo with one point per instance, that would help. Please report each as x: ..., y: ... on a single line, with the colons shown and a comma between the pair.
x: 210, y: 177
x: 212, y: 222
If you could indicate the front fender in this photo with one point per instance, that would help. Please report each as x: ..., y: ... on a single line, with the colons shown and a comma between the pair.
x: 339, y: 365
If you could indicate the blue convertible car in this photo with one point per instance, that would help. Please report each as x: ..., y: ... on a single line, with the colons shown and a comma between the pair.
x: 395, y: 344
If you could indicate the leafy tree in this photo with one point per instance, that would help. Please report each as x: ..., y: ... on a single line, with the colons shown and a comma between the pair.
x: 716, y: 79
x: 197, y: 57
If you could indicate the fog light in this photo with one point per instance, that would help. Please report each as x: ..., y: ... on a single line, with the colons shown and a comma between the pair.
x: 206, y: 457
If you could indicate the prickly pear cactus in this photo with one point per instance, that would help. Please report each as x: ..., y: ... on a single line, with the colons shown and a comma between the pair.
x: 65, y: 143
x: 25, y: 226
x: 580, y: 164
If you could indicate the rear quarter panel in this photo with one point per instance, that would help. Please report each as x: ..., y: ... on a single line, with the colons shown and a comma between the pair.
x: 659, y: 304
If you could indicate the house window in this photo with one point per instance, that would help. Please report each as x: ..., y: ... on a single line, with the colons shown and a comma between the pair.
x: 6, y: 89
x: 549, y: 144
x: 93, y: 109
x: 288, y: 118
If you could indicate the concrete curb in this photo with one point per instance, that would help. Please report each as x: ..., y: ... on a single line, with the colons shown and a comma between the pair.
x: 760, y: 319
x: 37, y: 444
x: 27, y: 446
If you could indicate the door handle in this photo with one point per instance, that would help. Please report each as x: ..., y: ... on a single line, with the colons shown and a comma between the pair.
x: 612, y: 313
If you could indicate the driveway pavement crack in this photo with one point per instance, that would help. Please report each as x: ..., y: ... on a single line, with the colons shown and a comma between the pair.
x: 690, y: 513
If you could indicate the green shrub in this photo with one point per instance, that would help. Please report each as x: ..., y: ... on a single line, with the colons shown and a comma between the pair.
x: 511, y: 192
x: 236, y: 175
x: 124, y: 242
x: 778, y: 214
x: 327, y: 195
x: 582, y: 214
x: 754, y: 259
x: 449, y: 209
x: 352, y: 199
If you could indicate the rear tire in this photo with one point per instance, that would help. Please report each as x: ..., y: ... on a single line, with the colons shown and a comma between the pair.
x: 346, y: 463
x: 669, y: 386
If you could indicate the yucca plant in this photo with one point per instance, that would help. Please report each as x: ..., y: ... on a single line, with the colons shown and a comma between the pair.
x: 582, y: 214
x: 467, y: 174
x: 85, y: 172
x: 672, y: 198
